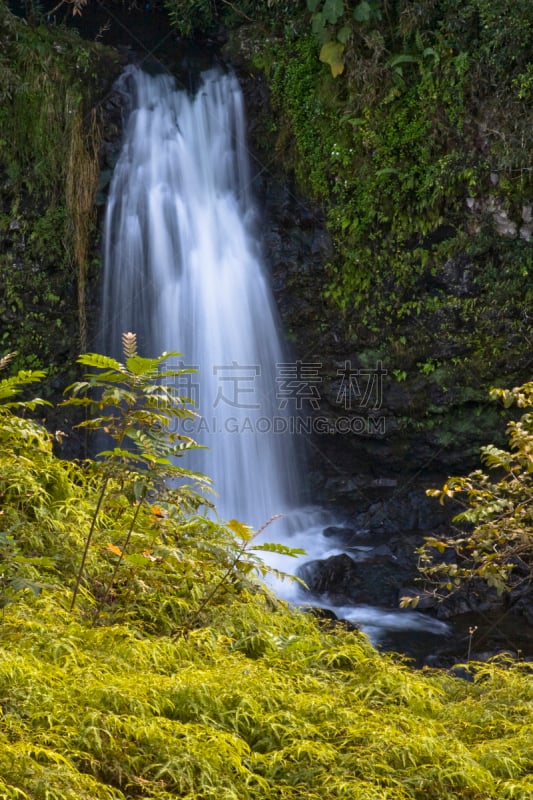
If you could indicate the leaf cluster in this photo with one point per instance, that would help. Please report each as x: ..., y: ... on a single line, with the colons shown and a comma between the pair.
x: 135, y: 404
x: 494, y: 538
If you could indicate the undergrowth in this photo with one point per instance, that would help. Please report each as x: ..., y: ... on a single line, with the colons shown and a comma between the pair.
x: 176, y: 690
x: 259, y: 703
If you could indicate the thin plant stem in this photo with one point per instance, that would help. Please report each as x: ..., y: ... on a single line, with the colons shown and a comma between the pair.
x: 120, y: 558
x: 240, y: 552
x: 471, y: 632
x: 207, y: 598
x: 88, y: 542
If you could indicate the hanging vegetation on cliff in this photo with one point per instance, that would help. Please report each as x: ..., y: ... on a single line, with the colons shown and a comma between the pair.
x: 49, y: 171
x: 419, y: 151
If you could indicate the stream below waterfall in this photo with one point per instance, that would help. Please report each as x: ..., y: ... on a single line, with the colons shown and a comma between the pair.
x: 183, y: 269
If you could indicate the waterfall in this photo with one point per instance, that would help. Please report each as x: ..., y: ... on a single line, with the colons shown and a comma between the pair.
x: 183, y: 270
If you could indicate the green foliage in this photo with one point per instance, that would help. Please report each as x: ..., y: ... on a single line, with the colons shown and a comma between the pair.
x: 391, y: 150
x: 12, y: 386
x: 134, y: 403
x: 48, y: 170
x: 309, y: 117
x: 191, y: 16
x: 21, y: 571
x: 397, y: 152
x: 333, y: 23
x: 494, y: 541
x: 135, y: 505
x: 402, y: 176
x: 134, y: 406
x: 261, y: 704
x: 247, y: 698
x: 194, y: 17
x: 41, y: 92
x: 385, y: 153
x: 35, y: 305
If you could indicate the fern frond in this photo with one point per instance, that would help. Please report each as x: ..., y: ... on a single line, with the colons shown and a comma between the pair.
x: 99, y: 361
x: 129, y: 345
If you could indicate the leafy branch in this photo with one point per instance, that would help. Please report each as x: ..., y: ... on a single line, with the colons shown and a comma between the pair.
x: 134, y: 403
x: 494, y: 542
x: 243, y: 561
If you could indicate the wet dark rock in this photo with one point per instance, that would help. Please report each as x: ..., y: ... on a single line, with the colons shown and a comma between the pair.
x: 457, y: 276
x: 414, y: 511
x: 345, y: 536
x: 520, y: 599
x: 470, y: 599
x: 342, y: 581
x: 389, y: 483
x: 380, y: 552
x: 329, y: 618
x: 464, y: 673
x: 524, y: 605
x: 321, y: 613
x: 335, y: 575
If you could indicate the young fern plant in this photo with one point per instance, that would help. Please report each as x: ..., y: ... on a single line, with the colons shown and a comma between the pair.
x: 133, y: 404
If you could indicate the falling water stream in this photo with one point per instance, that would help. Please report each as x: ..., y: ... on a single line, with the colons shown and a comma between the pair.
x: 184, y: 271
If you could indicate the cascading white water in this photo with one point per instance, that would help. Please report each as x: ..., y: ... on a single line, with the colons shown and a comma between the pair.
x: 182, y: 269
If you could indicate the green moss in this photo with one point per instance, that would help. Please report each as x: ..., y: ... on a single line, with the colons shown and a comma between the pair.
x: 49, y: 79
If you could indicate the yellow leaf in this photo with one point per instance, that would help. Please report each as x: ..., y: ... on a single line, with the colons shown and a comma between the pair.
x: 114, y: 549
x: 159, y: 512
x: 240, y: 529
x: 331, y: 53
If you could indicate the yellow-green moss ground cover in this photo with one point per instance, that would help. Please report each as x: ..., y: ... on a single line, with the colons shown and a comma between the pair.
x: 261, y: 703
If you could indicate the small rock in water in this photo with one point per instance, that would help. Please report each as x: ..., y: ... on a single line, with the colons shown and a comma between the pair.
x: 344, y: 535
